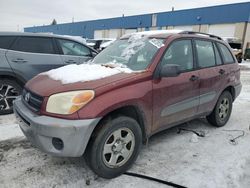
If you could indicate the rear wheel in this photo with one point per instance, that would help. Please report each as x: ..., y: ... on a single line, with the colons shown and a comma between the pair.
x: 222, y: 110
x: 115, y: 147
x: 9, y: 91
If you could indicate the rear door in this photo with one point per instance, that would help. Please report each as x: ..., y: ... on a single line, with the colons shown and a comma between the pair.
x: 212, y: 74
x: 176, y: 98
x: 30, y: 56
x: 73, y: 52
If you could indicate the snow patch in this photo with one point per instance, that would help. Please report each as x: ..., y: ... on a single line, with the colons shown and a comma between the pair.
x: 9, y: 131
x: 155, y: 32
x: 137, y: 42
x: 84, y: 72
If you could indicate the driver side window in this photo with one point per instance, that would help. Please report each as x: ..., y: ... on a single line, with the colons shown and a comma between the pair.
x: 180, y: 53
x: 73, y: 48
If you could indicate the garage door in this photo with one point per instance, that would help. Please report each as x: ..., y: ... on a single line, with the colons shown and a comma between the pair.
x: 114, y: 33
x: 222, y: 30
x: 127, y: 31
x: 98, y: 34
x: 184, y: 28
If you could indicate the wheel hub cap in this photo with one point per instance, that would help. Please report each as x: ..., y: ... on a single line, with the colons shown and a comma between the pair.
x: 118, y: 146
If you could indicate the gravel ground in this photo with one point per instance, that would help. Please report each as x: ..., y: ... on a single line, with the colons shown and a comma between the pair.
x: 185, y: 159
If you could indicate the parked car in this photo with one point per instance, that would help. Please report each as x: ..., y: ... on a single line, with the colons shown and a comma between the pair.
x: 24, y: 55
x: 142, y: 84
x: 247, y: 54
x: 236, y: 45
x: 97, y: 43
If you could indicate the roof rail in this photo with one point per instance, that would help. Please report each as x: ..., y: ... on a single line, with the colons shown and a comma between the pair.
x: 199, y: 33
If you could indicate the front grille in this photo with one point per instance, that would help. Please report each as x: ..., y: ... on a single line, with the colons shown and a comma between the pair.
x: 32, y: 100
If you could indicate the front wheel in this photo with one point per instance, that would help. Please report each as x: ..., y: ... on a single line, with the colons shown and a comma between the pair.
x: 115, y: 147
x: 222, y: 110
x: 9, y: 91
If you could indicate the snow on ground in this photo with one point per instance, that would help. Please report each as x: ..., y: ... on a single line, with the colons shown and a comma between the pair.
x: 84, y: 72
x: 208, y: 162
x: 9, y: 128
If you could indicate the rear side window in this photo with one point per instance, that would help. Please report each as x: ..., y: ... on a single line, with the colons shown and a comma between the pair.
x: 34, y: 45
x: 73, y: 48
x: 226, y: 54
x: 205, y: 53
x: 179, y: 53
x: 6, y: 41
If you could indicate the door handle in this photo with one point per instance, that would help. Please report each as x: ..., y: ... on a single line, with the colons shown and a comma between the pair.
x: 19, y: 60
x: 222, y: 71
x: 194, y: 78
x: 70, y: 61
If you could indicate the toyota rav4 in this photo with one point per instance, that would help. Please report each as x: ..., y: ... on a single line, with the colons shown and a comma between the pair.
x: 141, y: 84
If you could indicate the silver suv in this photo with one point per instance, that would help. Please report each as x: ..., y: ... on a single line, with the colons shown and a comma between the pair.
x: 24, y: 55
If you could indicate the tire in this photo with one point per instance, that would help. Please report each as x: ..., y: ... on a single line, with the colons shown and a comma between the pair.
x: 222, y: 110
x: 120, y: 137
x: 9, y: 91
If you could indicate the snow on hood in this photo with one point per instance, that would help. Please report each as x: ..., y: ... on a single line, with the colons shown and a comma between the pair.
x: 85, y: 72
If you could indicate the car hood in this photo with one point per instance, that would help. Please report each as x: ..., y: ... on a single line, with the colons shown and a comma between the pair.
x: 45, y: 86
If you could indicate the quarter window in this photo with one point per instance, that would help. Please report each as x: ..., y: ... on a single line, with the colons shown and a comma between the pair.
x: 217, y: 55
x: 180, y: 53
x: 73, y: 48
x: 205, y: 53
x: 34, y: 45
x: 226, y: 54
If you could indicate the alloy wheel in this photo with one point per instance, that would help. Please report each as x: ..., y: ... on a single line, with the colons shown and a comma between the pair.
x: 7, y: 95
x: 224, y: 108
x: 118, y: 148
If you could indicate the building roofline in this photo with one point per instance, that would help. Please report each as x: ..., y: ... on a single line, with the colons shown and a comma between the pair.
x: 149, y: 14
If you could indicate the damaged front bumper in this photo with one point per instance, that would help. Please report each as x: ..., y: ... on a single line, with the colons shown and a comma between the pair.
x: 59, y: 137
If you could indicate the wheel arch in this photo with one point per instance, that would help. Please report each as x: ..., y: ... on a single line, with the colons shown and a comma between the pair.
x: 12, y: 76
x: 231, y: 90
x: 131, y: 111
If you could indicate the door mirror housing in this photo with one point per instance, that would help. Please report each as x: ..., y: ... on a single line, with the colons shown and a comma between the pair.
x: 170, y: 70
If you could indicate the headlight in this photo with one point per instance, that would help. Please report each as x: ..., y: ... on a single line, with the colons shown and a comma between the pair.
x: 69, y: 102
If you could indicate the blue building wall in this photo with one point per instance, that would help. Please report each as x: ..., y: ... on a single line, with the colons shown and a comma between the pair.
x: 231, y: 13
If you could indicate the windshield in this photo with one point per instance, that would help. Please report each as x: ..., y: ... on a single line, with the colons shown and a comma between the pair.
x: 133, y: 53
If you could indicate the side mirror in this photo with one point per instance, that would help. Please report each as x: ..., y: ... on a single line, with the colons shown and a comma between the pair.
x: 170, y: 70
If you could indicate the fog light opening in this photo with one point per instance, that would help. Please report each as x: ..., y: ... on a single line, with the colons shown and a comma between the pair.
x: 57, y: 143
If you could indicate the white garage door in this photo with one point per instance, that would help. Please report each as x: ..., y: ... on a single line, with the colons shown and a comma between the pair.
x: 184, y: 28
x: 128, y: 31
x: 114, y: 33
x: 222, y: 30
x: 98, y: 34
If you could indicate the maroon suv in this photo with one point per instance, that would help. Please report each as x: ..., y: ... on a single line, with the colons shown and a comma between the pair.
x: 142, y: 84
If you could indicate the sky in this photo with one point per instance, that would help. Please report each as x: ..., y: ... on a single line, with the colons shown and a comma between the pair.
x: 17, y: 14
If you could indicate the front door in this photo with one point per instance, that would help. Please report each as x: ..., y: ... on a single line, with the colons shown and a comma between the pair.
x: 176, y: 98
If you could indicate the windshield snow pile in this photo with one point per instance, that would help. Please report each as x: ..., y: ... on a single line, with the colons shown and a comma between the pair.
x: 84, y: 72
x: 136, y: 43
